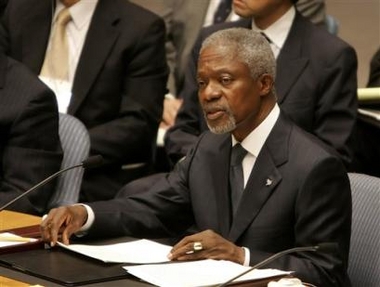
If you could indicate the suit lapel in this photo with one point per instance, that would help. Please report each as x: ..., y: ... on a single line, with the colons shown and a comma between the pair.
x: 290, y: 61
x: 220, y: 180
x: 3, y: 69
x: 104, y: 29
x: 263, y: 180
x: 35, y: 34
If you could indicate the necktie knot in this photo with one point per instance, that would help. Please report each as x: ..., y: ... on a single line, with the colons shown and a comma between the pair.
x: 64, y: 17
x: 237, y: 154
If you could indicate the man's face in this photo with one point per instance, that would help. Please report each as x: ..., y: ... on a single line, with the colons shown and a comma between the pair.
x: 69, y: 3
x: 264, y: 10
x: 229, y: 97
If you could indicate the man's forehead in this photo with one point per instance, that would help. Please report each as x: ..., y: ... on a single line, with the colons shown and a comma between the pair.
x: 211, y: 53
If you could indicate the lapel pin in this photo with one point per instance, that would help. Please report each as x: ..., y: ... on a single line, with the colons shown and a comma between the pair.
x: 269, y: 182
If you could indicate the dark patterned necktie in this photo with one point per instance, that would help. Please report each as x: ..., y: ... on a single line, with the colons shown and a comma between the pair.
x: 223, y: 11
x: 236, y: 175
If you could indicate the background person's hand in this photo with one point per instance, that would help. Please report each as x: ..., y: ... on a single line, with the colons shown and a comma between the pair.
x: 171, y: 107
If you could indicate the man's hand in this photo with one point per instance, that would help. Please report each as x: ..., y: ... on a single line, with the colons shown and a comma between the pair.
x: 213, y: 247
x: 63, y: 220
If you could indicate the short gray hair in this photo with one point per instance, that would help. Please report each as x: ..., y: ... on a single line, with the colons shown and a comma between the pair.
x: 250, y: 47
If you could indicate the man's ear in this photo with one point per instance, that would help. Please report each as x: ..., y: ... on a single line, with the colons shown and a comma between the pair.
x: 266, y: 84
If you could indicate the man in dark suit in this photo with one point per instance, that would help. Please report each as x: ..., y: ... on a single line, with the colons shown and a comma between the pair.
x: 316, y: 78
x: 30, y: 149
x: 294, y: 192
x: 374, y: 72
x: 367, y: 153
x: 117, y: 74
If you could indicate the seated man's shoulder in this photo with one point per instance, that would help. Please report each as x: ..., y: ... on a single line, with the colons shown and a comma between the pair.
x: 314, y: 35
x: 305, y: 148
x: 17, y: 77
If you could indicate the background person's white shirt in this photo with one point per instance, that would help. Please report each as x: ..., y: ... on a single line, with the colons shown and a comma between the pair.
x: 76, y: 31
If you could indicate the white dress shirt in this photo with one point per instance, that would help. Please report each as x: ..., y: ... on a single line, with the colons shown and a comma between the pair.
x: 254, y: 142
x: 278, y: 31
x: 76, y: 31
x: 212, y: 7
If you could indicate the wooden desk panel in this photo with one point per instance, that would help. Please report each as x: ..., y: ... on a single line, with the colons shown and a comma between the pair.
x: 11, y: 219
x: 6, y: 282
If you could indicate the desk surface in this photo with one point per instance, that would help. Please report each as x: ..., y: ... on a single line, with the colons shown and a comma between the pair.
x: 11, y: 219
x: 31, y: 280
x: 12, y: 278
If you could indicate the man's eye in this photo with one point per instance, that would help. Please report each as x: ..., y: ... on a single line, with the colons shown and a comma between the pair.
x: 226, y: 81
x: 201, y: 83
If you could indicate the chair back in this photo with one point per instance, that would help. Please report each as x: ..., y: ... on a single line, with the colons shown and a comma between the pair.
x: 75, y: 142
x: 364, y: 262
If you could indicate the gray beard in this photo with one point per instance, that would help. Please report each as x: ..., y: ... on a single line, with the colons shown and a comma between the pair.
x: 229, y: 126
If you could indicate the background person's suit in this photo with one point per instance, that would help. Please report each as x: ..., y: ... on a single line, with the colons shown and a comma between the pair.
x: 367, y: 153
x: 307, y: 202
x: 184, y: 19
x: 118, y: 87
x: 30, y: 149
x: 316, y: 86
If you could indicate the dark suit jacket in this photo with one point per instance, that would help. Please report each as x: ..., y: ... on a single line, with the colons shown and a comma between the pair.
x: 30, y: 149
x: 367, y: 153
x: 308, y: 202
x: 374, y: 73
x: 184, y: 19
x: 316, y: 86
x: 119, y: 84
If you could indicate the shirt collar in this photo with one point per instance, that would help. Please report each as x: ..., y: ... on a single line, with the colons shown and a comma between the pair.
x: 81, y: 12
x: 279, y: 30
x: 256, y: 139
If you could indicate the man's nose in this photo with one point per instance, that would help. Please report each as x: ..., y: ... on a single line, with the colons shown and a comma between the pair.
x: 212, y: 91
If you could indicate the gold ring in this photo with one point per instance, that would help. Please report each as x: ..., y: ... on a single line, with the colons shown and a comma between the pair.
x: 197, y: 246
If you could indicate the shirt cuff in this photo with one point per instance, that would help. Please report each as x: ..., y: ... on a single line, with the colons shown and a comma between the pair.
x: 169, y: 96
x: 87, y: 225
x: 247, y: 256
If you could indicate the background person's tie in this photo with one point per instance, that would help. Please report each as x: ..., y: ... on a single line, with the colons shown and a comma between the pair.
x: 223, y: 11
x: 236, y: 175
x: 56, y: 64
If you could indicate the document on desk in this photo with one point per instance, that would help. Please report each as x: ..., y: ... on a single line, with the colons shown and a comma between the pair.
x: 137, y: 252
x: 372, y: 113
x: 198, y: 273
x: 10, y: 239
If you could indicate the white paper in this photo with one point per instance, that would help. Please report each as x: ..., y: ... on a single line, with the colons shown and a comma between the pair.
x: 370, y: 113
x: 198, y: 273
x: 10, y: 242
x: 137, y: 252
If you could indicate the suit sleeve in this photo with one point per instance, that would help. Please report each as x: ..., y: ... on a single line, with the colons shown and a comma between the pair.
x: 322, y: 214
x: 374, y: 74
x: 32, y: 152
x: 336, y: 109
x: 147, y: 214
